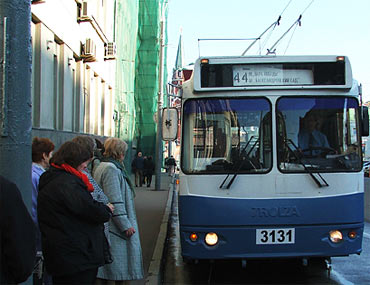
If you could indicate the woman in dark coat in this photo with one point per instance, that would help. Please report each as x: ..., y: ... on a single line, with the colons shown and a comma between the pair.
x: 70, y: 220
x: 17, y: 235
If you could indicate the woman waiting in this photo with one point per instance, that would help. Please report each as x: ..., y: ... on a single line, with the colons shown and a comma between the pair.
x: 42, y: 151
x: 89, y: 144
x: 124, y: 236
x: 70, y: 220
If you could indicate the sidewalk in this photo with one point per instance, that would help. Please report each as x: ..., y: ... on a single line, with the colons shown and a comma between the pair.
x: 152, y: 210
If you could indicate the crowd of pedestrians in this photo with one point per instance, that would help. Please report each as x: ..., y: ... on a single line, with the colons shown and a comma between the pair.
x: 143, y: 168
x: 83, y: 227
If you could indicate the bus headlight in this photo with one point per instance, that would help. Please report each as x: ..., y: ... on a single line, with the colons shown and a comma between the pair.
x: 211, y: 239
x: 336, y: 236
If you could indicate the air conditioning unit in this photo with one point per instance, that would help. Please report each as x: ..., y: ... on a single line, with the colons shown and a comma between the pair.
x: 110, y: 50
x: 84, y: 11
x: 89, y: 50
x: 90, y: 47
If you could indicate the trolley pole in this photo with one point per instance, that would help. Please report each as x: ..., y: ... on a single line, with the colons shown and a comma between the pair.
x: 159, y: 152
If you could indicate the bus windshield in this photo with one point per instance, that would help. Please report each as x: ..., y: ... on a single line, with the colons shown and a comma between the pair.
x: 318, y: 133
x: 234, y: 135
x: 227, y: 135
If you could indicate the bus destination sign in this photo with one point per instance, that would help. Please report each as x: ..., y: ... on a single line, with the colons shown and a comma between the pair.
x: 270, y: 75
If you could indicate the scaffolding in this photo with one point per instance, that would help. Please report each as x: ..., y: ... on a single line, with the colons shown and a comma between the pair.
x: 151, y: 12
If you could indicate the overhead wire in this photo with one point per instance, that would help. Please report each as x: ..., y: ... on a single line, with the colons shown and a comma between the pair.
x: 307, y: 7
x: 296, y: 28
x: 273, y: 26
x: 297, y: 22
x: 286, y: 7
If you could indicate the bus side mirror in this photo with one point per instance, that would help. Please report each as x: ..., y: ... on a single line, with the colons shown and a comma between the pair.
x: 364, y: 121
x: 169, y: 124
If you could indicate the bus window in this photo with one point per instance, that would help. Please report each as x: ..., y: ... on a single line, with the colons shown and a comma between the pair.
x: 318, y: 133
x: 225, y: 135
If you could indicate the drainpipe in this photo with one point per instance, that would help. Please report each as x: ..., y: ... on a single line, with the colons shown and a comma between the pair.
x: 15, y: 95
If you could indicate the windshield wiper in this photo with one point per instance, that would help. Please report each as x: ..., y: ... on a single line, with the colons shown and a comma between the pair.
x: 240, y: 165
x: 319, y: 183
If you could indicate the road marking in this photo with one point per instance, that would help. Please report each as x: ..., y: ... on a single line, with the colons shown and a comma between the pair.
x: 340, y: 278
x: 367, y: 235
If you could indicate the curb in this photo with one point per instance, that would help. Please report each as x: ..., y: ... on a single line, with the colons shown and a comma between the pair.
x: 154, y: 271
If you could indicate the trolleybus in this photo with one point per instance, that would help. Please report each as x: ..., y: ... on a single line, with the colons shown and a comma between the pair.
x: 271, y: 162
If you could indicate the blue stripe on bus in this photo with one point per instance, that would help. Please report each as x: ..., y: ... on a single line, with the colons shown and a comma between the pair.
x: 236, y: 221
x: 210, y: 211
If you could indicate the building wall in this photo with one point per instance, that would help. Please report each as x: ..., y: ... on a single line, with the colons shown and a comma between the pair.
x: 74, y: 92
x: 126, y: 32
x: 71, y: 91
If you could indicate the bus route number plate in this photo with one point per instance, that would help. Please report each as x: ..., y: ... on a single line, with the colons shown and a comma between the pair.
x: 275, y: 236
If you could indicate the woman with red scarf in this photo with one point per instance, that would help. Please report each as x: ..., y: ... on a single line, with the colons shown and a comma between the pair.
x: 70, y: 220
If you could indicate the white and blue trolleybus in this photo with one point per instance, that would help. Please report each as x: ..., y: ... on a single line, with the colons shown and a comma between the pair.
x: 271, y: 159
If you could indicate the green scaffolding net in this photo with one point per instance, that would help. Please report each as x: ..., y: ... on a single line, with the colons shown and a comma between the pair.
x: 126, y: 27
x: 147, y: 72
x: 137, y: 34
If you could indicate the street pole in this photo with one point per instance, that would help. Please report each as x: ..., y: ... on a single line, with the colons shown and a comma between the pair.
x: 159, y: 152
x: 15, y: 95
x: 169, y: 142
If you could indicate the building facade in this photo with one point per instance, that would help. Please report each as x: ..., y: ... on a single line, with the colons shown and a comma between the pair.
x: 73, y: 67
x: 95, y: 69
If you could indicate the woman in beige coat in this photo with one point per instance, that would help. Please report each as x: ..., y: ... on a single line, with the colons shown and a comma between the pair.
x: 123, y: 229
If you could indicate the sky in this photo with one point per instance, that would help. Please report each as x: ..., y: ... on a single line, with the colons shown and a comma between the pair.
x: 328, y: 27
